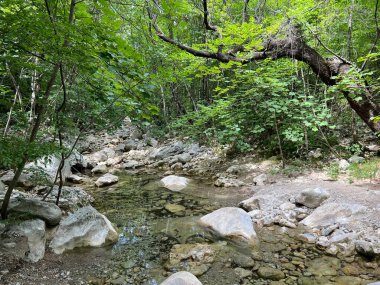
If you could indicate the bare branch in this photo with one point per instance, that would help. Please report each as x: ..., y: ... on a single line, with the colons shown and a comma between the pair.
x: 205, y: 19
x: 205, y: 54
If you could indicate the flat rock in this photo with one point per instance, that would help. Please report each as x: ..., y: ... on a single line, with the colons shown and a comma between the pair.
x: 167, y: 151
x: 106, y: 179
x: 232, y: 223
x: 333, y: 213
x: 76, y: 179
x: 131, y: 164
x: 48, y: 212
x: 228, y: 182
x: 270, y: 273
x: 182, y: 278
x: 356, y: 159
x: 100, y: 169
x: 312, y: 198
x: 85, y: 227
x: 174, y: 208
x: 175, y: 183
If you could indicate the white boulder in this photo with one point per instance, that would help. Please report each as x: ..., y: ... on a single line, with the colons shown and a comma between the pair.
x: 232, y: 223
x: 106, y: 179
x: 85, y: 227
x: 175, y: 183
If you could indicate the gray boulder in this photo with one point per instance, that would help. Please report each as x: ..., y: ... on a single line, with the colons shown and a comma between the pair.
x: 48, y: 166
x: 131, y: 164
x: 356, y: 159
x: 100, y: 169
x: 106, y: 179
x: 34, y: 231
x: 312, y: 198
x: 343, y: 164
x: 260, y: 180
x: 100, y: 156
x: 334, y: 213
x: 175, y: 183
x: 167, y: 151
x: 130, y: 145
x: 76, y: 179
x: 182, y: 278
x: 24, y: 181
x: 71, y: 198
x: 85, y: 227
x: 231, y: 223
x: 367, y: 249
x: 48, y: 212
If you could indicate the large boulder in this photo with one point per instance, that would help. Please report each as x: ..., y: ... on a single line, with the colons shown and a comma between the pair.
x: 85, y: 227
x: 167, y: 151
x: 232, y: 223
x: 71, y: 198
x: 106, y: 179
x: 25, y: 180
x: 48, y: 166
x: 34, y: 231
x: 312, y: 198
x: 175, y: 183
x: 334, y: 213
x: 182, y: 278
x: 100, y: 156
x: 48, y: 212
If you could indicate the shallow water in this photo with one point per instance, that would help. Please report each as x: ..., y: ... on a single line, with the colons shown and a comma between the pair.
x: 136, y: 205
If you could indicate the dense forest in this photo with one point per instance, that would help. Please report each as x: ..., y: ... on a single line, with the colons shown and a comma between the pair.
x: 283, y: 77
x: 162, y: 141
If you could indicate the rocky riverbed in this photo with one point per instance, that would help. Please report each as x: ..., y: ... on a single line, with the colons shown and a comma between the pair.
x: 226, y: 222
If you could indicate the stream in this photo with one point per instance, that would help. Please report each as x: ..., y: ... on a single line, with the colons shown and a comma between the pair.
x: 152, y: 221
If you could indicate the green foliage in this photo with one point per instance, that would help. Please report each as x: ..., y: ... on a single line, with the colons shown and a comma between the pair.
x: 333, y: 171
x: 366, y: 170
x: 14, y: 149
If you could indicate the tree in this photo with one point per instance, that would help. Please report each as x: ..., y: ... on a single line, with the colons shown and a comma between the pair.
x: 282, y: 35
x: 71, y: 71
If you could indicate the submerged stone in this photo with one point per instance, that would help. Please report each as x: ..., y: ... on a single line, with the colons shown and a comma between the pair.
x: 270, y: 273
x: 174, y: 208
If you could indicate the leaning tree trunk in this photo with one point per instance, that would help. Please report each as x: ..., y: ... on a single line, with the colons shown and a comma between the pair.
x: 292, y: 47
